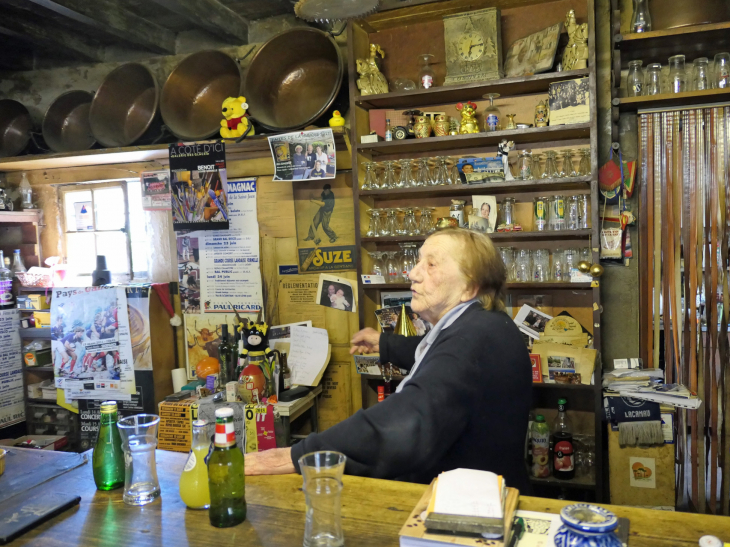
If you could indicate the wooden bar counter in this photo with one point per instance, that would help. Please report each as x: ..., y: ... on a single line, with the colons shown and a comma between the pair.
x: 373, y: 512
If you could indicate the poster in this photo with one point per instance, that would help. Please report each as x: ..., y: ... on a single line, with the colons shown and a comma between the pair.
x: 188, y: 270
x: 304, y: 155
x: 156, y: 194
x: 198, y: 181
x: 642, y: 473
x: 325, y: 232
x: 296, y: 299
x: 138, y: 307
x: 84, y: 216
x: 203, y: 336
x: 91, y: 343
x: 229, y: 260
x: 12, y: 406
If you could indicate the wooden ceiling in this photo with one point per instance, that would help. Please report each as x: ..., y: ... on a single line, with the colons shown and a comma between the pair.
x: 36, y: 33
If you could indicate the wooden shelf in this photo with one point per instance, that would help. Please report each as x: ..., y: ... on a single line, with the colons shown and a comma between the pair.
x: 657, y: 46
x: 507, y: 87
x: 532, y: 135
x: 17, y: 217
x: 578, y: 483
x: 508, y: 187
x: 509, y: 286
x: 670, y: 100
x: 573, y: 387
x: 48, y: 368
x: 36, y: 333
x: 42, y: 402
x: 497, y: 236
x: 253, y: 147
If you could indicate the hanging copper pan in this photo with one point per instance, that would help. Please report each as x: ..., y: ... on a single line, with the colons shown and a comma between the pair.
x: 15, y: 128
x: 194, y: 91
x: 66, y: 125
x: 125, y: 108
x: 294, y: 79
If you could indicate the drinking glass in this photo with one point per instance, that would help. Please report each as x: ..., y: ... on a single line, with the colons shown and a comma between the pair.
x: 523, y: 266
x: 374, y: 227
x: 322, y: 476
x: 391, y: 221
x: 370, y: 181
x: 399, y: 227
x: 410, y: 226
x: 423, y: 176
x: 392, y: 268
x: 558, y: 267
x: 454, y: 175
x: 388, y: 180
x: 573, y: 215
x: 551, y: 166
x: 524, y: 165
x: 508, y: 257
x: 378, y: 267
x: 568, y: 169
x: 586, y: 254
x: 677, y: 74
x: 653, y: 79
x: 492, y: 115
x: 641, y: 19
x: 556, y: 217
x: 384, y: 230
x: 583, y: 211
x: 572, y: 257
x: 426, y: 222
x: 441, y: 173
x: 508, y: 211
x: 408, y: 260
x: 139, y: 440
x: 540, y: 207
x: 541, y: 265
x: 584, y: 167
x: 722, y: 70
x: 700, y: 77
x: 635, y: 79
x: 537, y: 171
x: 405, y: 180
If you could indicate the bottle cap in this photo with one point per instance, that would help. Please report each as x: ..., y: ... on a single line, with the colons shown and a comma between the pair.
x: 107, y: 407
x: 540, y: 418
x: 224, y: 413
x: 200, y: 423
x: 562, y: 401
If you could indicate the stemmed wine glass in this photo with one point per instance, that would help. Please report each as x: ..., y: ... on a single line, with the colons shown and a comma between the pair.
x: 374, y: 227
x: 370, y: 181
x: 410, y: 226
x: 405, y: 180
x: 426, y: 222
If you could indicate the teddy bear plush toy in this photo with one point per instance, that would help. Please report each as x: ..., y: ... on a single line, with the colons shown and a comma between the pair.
x: 235, y: 123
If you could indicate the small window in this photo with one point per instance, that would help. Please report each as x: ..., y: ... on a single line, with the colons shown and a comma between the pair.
x: 105, y: 219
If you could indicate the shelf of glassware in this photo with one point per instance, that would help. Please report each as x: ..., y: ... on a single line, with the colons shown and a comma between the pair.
x: 547, y: 286
x: 671, y: 100
x: 496, y: 236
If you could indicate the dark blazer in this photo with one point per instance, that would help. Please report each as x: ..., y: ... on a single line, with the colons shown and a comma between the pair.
x: 466, y: 406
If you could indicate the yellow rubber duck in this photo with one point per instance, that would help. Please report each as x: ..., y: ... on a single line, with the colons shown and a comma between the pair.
x: 337, y: 120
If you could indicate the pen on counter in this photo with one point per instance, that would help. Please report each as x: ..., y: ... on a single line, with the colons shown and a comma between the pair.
x: 518, y: 529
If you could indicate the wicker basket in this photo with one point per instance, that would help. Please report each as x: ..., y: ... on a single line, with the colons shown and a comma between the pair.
x: 26, y: 279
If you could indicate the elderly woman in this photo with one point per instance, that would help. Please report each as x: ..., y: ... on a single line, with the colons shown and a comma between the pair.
x: 466, y: 399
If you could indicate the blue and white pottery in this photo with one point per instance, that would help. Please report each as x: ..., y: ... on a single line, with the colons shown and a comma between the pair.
x: 587, y: 525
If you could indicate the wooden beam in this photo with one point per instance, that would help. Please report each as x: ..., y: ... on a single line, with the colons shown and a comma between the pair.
x: 51, y: 37
x: 108, y: 16
x: 212, y: 16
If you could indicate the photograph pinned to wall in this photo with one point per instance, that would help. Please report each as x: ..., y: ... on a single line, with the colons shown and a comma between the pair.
x: 188, y: 269
x: 397, y: 299
x: 337, y: 293
x: 642, y: 473
x: 156, y: 194
x: 561, y: 369
x: 367, y: 364
x: 198, y: 181
x: 138, y: 307
x: 534, y: 53
x: 568, y: 102
x: 203, y: 337
x: 304, y: 155
x: 531, y: 321
x: 483, y: 217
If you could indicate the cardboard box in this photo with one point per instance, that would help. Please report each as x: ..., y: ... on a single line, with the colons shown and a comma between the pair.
x: 33, y: 302
x: 175, y: 431
x: 42, y: 319
x: 37, y: 358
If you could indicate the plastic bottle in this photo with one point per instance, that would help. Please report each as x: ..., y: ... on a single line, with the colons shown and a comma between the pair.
x: 6, y: 286
x: 540, y: 439
x: 18, y: 266
x: 194, y: 479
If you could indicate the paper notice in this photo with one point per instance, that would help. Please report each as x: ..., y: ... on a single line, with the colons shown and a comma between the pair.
x: 308, y: 355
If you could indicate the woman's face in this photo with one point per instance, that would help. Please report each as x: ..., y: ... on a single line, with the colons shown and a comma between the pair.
x: 485, y: 210
x: 437, y: 282
x: 319, y: 150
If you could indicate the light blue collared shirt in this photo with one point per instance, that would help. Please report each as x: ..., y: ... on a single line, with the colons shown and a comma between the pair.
x: 444, y: 323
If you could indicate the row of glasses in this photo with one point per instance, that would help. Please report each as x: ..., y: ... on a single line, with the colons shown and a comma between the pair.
x: 411, y: 173
x: 529, y: 164
x: 395, y: 266
x: 387, y: 222
x: 540, y: 265
x: 700, y: 77
x: 556, y: 213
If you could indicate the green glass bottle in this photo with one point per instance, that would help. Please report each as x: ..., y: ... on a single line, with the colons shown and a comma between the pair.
x: 224, y: 356
x: 226, y: 477
x: 108, y: 457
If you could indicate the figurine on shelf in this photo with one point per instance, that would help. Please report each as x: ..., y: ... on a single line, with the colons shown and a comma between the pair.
x: 503, y: 149
x: 575, y: 55
x: 422, y: 127
x: 337, y: 120
x: 441, y: 125
x: 371, y: 81
x: 235, y: 123
x: 511, y: 121
x: 468, y: 118
x: 542, y: 114
x: 411, y: 121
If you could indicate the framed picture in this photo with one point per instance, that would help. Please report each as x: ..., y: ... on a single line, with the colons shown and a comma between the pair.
x: 483, y: 217
x: 534, y: 53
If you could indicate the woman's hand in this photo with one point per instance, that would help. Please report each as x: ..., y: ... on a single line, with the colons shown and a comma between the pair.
x: 365, y: 341
x: 270, y: 462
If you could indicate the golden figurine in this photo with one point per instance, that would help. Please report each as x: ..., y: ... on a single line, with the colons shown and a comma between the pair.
x: 511, y: 121
x: 422, y: 127
x: 469, y: 122
x: 441, y: 125
x: 542, y: 114
x: 371, y: 81
x: 575, y: 55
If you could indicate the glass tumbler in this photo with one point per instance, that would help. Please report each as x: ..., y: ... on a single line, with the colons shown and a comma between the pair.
x: 409, y: 222
x: 635, y: 79
x: 558, y: 267
x: 139, y: 440
x: 573, y: 214
x: 405, y: 180
x: 374, y: 227
x: 641, y: 19
x: 508, y: 211
x: 523, y: 266
x: 556, y: 218
x: 700, y: 76
x: 722, y: 70
x: 540, y: 208
x: 583, y: 211
x: 322, y: 475
x: 568, y: 169
x: 572, y: 258
x: 370, y: 181
x: 388, y: 181
x: 508, y: 257
x: 541, y: 265
x: 454, y: 175
x: 653, y: 79
x: 584, y: 167
x: 441, y: 173
x: 551, y: 166
x: 425, y: 225
x: 423, y: 173
x: 677, y: 74
x: 524, y: 164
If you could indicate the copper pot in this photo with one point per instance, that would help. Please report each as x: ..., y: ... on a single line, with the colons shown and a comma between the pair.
x: 294, y: 79
x: 194, y: 92
x: 125, y: 108
x: 15, y: 128
x: 666, y: 14
x: 66, y: 125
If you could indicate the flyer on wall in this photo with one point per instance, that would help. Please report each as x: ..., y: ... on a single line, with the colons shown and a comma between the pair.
x: 12, y: 405
x: 304, y: 155
x: 229, y: 260
x: 91, y: 343
x: 156, y: 194
x: 198, y: 181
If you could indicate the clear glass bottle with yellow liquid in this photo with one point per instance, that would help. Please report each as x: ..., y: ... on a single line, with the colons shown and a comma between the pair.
x: 194, y: 479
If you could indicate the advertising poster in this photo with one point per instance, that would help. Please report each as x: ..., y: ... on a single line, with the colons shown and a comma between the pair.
x: 304, y: 155
x: 83, y: 211
x: 229, y: 259
x: 203, y: 336
x: 198, y: 181
x: 296, y: 300
x: 325, y: 232
x: 91, y: 343
x: 188, y: 269
x: 156, y: 194
x: 138, y: 307
x: 12, y: 406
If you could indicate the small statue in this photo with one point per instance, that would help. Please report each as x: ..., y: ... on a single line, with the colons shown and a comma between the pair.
x: 575, y: 55
x: 371, y: 81
x: 511, y: 121
x: 235, y: 123
x: 542, y: 114
x: 468, y: 118
x: 503, y: 149
x: 337, y: 120
x: 422, y: 127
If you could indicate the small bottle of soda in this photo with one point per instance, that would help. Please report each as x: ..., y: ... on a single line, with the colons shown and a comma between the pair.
x: 563, y: 450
